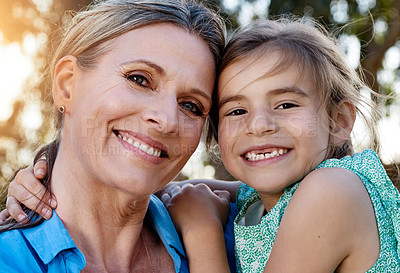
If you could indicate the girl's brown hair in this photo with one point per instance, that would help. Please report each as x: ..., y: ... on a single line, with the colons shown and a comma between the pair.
x: 305, y: 43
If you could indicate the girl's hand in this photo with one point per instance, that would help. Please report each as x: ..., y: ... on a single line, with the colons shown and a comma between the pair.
x: 27, y: 189
x: 192, y: 206
x: 199, y: 214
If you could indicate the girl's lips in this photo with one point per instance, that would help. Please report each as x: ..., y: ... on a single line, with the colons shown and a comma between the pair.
x: 142, y: 143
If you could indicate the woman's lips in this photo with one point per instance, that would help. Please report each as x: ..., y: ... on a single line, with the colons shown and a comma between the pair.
x: 144, y: 146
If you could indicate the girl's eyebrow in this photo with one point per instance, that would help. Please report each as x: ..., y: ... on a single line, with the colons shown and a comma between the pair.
x: 289, y: 89
x: 227, y: 99
x: 275, y: 92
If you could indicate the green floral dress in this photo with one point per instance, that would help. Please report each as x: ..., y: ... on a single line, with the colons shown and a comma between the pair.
x: 254, y: 242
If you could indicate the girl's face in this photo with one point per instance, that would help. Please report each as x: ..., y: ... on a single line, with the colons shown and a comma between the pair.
x: 136, y: 118
x: 272, y: 128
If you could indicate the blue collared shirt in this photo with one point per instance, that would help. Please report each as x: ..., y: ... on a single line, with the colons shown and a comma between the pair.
x: 49, y: 248
x: 44, y: 248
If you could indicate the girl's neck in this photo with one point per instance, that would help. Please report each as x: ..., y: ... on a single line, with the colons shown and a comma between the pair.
x: 269, y: 201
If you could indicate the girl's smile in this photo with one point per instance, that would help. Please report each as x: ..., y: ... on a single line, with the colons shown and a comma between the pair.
x: 256, y: 154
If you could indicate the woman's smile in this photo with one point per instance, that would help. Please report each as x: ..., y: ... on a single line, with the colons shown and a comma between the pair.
x: 143, y: 146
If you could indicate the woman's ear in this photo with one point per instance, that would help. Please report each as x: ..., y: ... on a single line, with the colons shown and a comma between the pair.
x: 63, y: 84
x: 343, y: 118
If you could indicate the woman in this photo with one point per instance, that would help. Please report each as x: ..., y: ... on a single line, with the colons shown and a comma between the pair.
x: 132, y: 82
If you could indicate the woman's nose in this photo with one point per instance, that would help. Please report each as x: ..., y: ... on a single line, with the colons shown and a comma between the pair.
x: 260, y: 123
x: 163, y: 115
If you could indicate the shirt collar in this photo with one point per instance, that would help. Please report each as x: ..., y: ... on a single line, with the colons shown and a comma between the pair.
x: 165, y: 229
x: 50, y: 238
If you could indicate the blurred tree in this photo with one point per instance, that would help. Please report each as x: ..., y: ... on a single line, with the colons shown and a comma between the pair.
x: 375, y: 25
x: 18, y: 19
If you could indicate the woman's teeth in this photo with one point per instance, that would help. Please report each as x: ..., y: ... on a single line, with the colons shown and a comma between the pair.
x: 141, y: 146
x: 260, y: 156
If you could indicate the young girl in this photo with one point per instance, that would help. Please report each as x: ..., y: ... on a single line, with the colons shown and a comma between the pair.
x: 287, y: 102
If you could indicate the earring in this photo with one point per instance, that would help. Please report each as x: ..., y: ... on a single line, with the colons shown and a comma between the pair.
x: 62, y: 109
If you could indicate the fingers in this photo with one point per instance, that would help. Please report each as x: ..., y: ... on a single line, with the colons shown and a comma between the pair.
x: 15, y: 211
x: 225, y: 195
x: 165, y: 198
x: 29, y: 200
x: 4, y: 215
x: 175, y: 190
x: 40, y: 169
x: 28, y: 181
x: 27, y: 189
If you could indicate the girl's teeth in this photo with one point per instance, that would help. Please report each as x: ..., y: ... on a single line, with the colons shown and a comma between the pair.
x: 260, y: 156
x: 254, y: 157
x: 143, y: 147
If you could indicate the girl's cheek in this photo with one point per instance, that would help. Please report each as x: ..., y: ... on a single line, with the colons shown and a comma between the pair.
x: 231, y: 128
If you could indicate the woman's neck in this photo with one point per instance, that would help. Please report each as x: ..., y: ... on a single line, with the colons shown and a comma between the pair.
x: 104, y: 223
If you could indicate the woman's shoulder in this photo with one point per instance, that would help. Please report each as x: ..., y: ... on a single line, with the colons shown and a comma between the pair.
x: 14, y: 249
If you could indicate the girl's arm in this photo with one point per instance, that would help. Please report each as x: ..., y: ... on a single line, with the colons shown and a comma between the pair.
x: 27, y: 189
x: 199, y: 214
x: 329, y: 225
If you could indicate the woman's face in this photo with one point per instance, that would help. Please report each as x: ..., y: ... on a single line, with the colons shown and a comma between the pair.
x: 137, y: 117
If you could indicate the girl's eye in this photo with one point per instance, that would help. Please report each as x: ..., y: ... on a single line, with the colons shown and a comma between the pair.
x: 286, y: 105
x: 237, y: 112
x: 138, y: 79
x: 192, y: 107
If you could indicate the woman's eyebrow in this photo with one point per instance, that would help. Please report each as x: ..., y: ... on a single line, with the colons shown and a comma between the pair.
x: 155, y: 66
x: 201, y: 93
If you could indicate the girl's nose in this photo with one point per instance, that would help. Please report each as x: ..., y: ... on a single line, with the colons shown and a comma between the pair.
x: 260, y: 123
x: 163, y: 115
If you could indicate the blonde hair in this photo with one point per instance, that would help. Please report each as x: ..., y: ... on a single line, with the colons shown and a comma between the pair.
x: 305, y: 43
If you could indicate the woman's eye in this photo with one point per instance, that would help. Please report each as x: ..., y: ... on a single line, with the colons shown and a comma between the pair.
x: 237, y: 112
x: 286, y: 105
x: 138, y: 79
x: 192, y: 107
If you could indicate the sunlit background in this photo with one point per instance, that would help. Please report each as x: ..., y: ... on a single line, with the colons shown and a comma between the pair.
x: 19, y: 74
